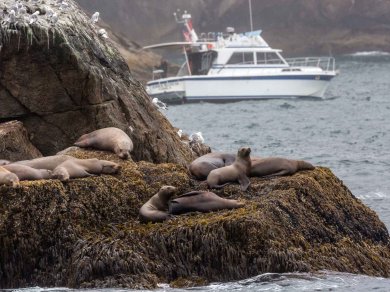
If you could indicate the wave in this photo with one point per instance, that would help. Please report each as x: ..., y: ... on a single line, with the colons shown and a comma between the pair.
x: 369, y: 54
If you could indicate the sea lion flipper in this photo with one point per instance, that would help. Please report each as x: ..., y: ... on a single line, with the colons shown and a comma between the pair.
x: 244, y: 182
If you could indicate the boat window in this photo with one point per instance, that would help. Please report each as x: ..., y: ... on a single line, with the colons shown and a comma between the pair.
x: 241, y: 58
x: 268, y: 58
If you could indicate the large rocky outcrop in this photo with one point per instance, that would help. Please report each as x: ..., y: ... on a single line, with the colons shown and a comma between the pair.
x: 296, y: 26
x: 63, y: 80
x: 15, y: 144
x: 85, y: 233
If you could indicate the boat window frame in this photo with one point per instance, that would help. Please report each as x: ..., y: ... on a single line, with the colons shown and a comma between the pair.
x: 280, y: 59
x: 243, y: 63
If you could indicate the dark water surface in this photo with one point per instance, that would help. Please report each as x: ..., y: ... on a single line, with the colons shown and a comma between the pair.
x: 348, y: 131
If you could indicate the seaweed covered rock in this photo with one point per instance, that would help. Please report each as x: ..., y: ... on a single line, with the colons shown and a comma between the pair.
x: 86, y: 233
x: 62, y: 80
x: 14, y: 142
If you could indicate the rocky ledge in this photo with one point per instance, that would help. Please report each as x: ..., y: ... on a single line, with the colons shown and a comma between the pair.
x: 85, y: 233
x: 62, y: 79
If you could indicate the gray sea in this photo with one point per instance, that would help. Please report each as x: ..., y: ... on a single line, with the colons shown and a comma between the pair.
x: 348, y: 131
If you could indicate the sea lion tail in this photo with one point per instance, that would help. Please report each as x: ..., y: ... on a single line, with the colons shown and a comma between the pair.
x: 303, y: 165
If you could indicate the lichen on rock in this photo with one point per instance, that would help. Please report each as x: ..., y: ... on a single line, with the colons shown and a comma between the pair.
x: 86, y: 233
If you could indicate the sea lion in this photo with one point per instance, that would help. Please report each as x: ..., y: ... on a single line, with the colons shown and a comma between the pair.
x: 78, y: 168
x: 201, y: 167
x: 25, y: 172
x: 199, y: 201
x: 48, y: 162
x: 156, y: 209
x: 4, y: 162
x: 238, y: 171
x: 108, y: 139
x: 277, y: 166
x: 8, y: 178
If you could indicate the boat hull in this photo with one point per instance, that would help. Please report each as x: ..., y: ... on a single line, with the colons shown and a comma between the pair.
x: 204, y: 88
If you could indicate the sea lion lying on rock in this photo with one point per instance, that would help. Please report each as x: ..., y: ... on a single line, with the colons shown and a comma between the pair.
x: 238, y: 171
x: 4, y: 162
x: 79, y: 168
x: 156, y: 209
x: 201, y: 167
x: 276, y: 166
x: 199, y: 201
x: 8, y: 178
x: 48, y: 162
x: 24, y: 172
x: 108, y: 139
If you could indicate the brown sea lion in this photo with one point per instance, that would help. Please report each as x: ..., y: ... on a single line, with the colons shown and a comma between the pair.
x: 79, y: 168
x: 48, y: 162
x: 8, y: 178
x: 238, y: 171
x: 199, y: 201
x: 4, y: 162
x: 25, y: 172
x: 276, y: 166
x: 156, y: 209
x: 201, y: 167
x: 108, y: 139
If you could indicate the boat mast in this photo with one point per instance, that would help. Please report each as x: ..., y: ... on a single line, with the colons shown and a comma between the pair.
x: 189, y: 34
x: 250, y: 14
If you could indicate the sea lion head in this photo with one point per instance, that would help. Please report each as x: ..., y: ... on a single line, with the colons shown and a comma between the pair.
x: 123, y: 149
x: 4, y: 162
x: 244, y: 152
x: 11, y: 180
x: 109, y: 167
x: 166, y: 192
x: 61, y: 173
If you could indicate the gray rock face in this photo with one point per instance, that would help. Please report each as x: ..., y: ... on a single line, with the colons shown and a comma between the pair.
x: 63, y: 81
x: 15, y: 144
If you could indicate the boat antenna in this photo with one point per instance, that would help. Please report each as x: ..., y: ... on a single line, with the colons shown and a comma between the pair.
x: 250, y: 14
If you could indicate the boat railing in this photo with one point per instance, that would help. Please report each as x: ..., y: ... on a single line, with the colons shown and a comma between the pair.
x: 325, y: 63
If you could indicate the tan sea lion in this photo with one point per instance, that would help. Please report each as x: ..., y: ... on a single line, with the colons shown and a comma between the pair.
x: 48, y: 162
x: 79, y: 168
x: 108, y: 139
x: 238, y: 171
x: 4, y: 162
x: 201, y: 167
x: 25, y: 172
x: 276, y: 166
x: 8, y: 178
x: 156, y: 209
x: 199, y: 201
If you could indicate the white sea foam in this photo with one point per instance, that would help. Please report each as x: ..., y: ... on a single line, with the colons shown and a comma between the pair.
x: 374, y: 195
x: 369, y: 54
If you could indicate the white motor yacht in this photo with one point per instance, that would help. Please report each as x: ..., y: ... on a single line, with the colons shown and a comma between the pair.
x: 230, y: 67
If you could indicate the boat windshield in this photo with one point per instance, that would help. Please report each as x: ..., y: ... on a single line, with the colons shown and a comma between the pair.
x: 266, y: 58
x: 253, y: 58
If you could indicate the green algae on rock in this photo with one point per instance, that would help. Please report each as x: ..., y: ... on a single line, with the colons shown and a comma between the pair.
x: 85, y: 233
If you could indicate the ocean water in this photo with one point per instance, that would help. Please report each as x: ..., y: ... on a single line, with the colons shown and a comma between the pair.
x: 348, y: 131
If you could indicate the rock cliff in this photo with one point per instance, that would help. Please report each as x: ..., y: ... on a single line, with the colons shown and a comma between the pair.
x: 296, y: 26
x: 15, y: 144
x: 85, y: 233
x: 62, y: 80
